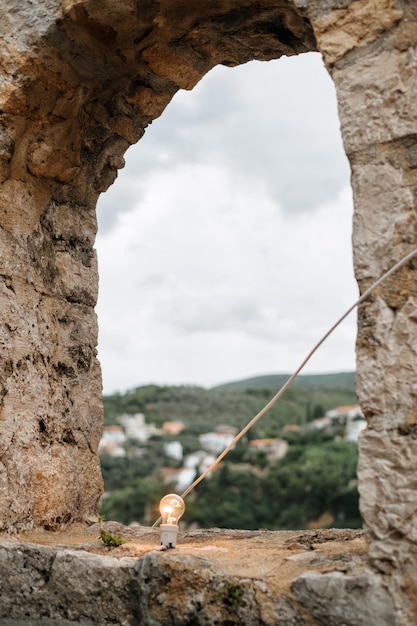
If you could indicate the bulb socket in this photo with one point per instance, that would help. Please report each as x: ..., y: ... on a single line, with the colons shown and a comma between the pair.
x: 169, y: 534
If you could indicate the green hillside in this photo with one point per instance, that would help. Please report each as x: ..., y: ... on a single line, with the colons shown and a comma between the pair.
x: 236, y: 403
x: 338, y: 380
x: 314, y: 484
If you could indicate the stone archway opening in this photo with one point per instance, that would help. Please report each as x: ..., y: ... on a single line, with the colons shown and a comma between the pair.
x: 82, y: 79
x: 73, y: 103
x: 253, y: 186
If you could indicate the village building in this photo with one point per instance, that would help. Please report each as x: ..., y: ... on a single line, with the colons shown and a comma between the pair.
x: 135, y: 427
x: 111, y: 442
x: 173, y: 428
x: 274, y: 449
x: 174, y: 450
x: 218, y: 440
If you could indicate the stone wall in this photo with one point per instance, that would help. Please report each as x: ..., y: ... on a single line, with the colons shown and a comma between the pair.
x: 81, y: 80
x: 222, y: 577
x: 374, y: 69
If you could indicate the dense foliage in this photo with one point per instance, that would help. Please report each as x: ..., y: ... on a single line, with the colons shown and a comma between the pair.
x: 314, y: 484
x: 202, y: 409
x: 339, y: 380
x: 309, y: 482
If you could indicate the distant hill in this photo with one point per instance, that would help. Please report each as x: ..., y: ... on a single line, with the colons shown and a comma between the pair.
x: 339, y: 380
x: 236, y: 402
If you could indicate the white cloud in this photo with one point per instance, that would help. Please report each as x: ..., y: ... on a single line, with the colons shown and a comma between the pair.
x: 275, y: 122
x: 233, y: 256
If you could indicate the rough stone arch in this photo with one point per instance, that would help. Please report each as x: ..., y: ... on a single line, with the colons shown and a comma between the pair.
x: 81, y: 80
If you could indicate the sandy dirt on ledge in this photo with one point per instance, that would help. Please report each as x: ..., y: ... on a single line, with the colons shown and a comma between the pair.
x: 274, y: 557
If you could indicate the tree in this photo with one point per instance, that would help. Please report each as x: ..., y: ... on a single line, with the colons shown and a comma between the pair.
x: 136, y: 503
x: 314, y: 480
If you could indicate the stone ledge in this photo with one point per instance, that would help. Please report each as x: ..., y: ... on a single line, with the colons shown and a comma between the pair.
x: 217, y: 576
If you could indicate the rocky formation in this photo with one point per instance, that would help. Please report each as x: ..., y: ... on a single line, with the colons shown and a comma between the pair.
x: 376, y: 87
x: 256, y: 578
x: 81, y: 80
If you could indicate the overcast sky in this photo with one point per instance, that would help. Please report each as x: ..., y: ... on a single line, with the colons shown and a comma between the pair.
x: 225, y: 244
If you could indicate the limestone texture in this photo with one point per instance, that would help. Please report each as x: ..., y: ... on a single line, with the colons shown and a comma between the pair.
x: 80, y: 82
x: 224, y: 577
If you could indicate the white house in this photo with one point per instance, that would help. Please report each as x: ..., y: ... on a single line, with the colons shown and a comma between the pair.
x: 354, y: 428
x: 345, y: 412
x: 351, y: 417
x: 274, y: 449
x: 199, y: 459
x: 112, y: 440
x: 181, y: 478
x: 194, y: 465
x: 136, y: 427
x: 219, y: 440
x: 174, y: 450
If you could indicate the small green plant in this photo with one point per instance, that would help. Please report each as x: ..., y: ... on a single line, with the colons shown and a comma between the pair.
x: 231, y: 593
x: 109, y: 539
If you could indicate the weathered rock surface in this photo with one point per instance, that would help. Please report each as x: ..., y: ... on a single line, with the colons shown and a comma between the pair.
x: 335, y: 598
x: 81, y: 80
x: 256, y: 578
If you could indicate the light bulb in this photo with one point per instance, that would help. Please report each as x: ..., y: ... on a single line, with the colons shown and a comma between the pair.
x: 171, y: 508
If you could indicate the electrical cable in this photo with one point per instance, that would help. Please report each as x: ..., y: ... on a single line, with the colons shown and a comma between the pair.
x: 289, y: 382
